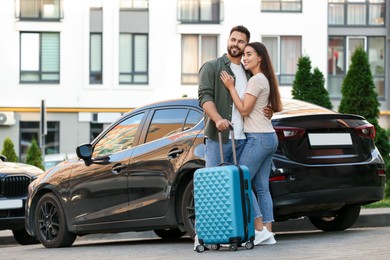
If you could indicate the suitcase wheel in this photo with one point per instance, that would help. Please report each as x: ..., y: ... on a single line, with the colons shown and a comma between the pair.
x: 233, y: 246
x: 249, y: 245
x: 215, y: 246
x: 200, y: 248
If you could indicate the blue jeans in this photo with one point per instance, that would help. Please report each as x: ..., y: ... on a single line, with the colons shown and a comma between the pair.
x: 257, y: 156
x: 212, y: 153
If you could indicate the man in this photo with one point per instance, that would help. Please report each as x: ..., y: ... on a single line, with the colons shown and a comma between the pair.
x: 217, y: 103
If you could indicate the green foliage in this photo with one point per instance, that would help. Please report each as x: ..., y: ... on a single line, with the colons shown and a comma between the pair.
x: 310, y: 86
x: 9, y: 150
x: 358, y: 89
x: 359, y: 97
x: 34, y: 155
x: 379, y: 204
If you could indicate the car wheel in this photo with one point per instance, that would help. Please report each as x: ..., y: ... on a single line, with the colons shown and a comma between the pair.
x: 22, y: 237
x: 188, y: 209
x: 169, y: 233
x: 343, y: 219
x: 51, y: 224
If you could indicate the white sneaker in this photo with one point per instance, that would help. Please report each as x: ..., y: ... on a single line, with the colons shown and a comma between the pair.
x: 269, y: 241
x: 261, y: 236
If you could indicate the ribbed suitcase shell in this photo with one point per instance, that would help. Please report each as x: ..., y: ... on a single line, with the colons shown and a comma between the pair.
x: 219, y: 205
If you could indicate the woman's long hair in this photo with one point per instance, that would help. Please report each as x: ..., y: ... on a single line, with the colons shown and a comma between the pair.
x: 268, y: 70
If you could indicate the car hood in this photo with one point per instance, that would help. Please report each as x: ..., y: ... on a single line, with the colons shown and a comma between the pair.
x: 19, y: 168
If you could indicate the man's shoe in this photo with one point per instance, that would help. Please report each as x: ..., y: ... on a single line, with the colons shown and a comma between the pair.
x: 261, y: 236
x: 269, y: 241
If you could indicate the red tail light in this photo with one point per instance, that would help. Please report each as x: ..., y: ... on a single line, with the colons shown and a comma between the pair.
x: 367, y: 130
x: 381, y: 172
x: 277, y: 178
x: 284, y: 132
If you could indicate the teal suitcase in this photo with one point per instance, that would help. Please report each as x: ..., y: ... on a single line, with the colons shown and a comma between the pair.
x: 223, y: 206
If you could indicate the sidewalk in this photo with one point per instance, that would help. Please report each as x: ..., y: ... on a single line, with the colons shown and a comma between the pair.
x: 379, y: 217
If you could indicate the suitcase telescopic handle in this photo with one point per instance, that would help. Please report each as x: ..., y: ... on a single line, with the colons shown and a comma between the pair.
x: 233, y: 145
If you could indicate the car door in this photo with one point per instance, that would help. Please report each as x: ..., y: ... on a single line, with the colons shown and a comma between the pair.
x: 99, y: 192
x: 155, y: 163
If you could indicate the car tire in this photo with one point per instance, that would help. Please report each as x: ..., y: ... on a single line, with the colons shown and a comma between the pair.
x: 342, y: 220
x: 50, y: 223
x: 188, y: 209
x: 22, y: 237
x: 169, y: 233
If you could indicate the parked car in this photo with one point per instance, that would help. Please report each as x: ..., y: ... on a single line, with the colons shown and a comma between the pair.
x: 137, y: 175
x: 14, y: 180
x: 51, y: 160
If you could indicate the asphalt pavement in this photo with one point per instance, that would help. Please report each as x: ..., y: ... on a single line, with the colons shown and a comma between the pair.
x: 378, y: 217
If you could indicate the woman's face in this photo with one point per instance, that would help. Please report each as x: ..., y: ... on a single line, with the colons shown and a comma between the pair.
x: 250, y: 59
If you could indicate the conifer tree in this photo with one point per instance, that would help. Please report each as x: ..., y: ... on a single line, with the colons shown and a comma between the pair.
x: 310, y: 86
x: 359, y: 97
x: 34, y: 155
x: 9, y: 150
x: 302, y: 80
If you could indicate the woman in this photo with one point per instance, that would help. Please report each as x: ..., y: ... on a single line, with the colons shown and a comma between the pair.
x: 262, y: 90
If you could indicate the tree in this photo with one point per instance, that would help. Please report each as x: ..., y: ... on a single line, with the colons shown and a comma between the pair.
x: 34, y: 155
x: 9, y: 150
x: 302, y: 80
x: 310, y: 86
x: 359, y: 97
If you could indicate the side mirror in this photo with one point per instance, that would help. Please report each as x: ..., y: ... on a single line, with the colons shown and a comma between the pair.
x: 84, y: 152
x: 3, y: 158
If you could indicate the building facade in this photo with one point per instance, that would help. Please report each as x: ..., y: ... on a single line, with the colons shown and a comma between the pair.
x: 90, y: 61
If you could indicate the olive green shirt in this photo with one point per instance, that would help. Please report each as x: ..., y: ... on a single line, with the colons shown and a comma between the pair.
x: 211, y: 88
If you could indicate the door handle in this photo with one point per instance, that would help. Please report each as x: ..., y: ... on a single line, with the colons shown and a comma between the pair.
x: 118, y: 168
x: 174, y: 153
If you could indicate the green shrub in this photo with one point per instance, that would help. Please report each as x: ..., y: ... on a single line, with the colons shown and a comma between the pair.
x: 9, y: 150
x: 34, y: 155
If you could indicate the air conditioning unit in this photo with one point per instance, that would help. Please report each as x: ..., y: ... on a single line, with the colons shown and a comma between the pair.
x: 7, y: 118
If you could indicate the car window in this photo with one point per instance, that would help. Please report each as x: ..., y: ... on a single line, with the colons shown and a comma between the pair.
x: 119, y: 138
x: 193, y: 118
x: 166, y: 122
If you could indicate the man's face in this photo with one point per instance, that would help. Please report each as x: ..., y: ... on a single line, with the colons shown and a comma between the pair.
x: 236, y: 44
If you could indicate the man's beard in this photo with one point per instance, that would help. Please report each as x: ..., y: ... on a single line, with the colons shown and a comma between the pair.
x: 236, y: 53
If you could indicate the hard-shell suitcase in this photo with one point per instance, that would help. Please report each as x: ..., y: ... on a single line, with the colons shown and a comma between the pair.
x: 223, y: 205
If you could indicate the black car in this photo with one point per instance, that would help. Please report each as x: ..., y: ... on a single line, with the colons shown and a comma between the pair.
x: 137, y: 174
x: 14, y: 180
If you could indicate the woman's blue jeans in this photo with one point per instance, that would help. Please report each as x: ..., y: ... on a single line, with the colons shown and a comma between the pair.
x: 257, y: 156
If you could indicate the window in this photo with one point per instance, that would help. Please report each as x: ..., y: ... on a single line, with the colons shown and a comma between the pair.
x: 281, y: 5
x: 133, y: 58
x: 119, y: 138
x: 356, y: 12
x: 196, y: 50
x: 284, y: 52
x: 340, y: 50
x: 200, y: 11
x: 96, y: 46
x: 39, y: 57
x: 39, y: 9
x: 30, y: 130
x: 96, y: 70
x: 134, y: 4
x: 95, y: 130
x: 167, y: 122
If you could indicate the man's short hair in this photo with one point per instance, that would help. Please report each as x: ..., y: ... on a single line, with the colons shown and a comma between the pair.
x: 242, y: 29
